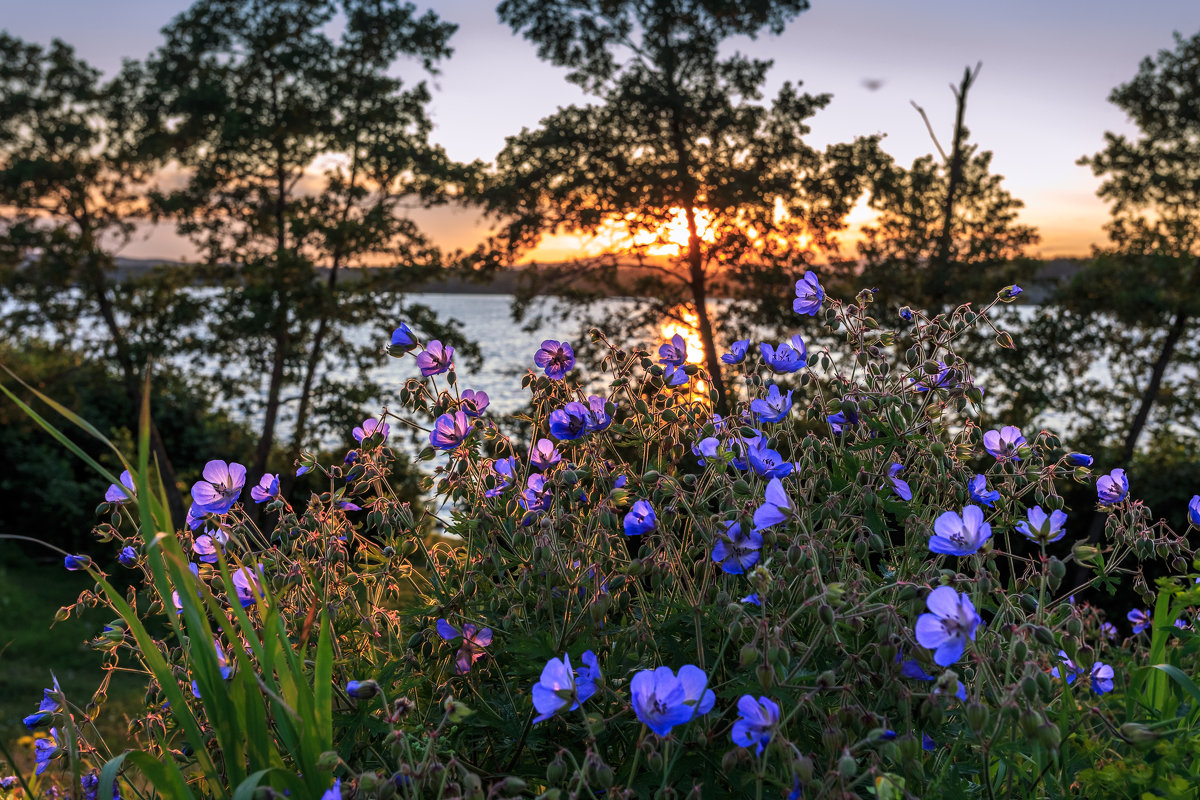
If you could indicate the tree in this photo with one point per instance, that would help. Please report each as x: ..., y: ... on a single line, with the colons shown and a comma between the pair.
x: 1149, y: 280
x: 299, y: 151
x: 701, y: 190
x: 71, y: 187
x: 945, y: 226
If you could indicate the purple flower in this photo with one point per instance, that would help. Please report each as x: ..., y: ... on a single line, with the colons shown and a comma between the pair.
x: 1140, y: 619
x: 1112, y: 488
x: 248, y: 586
x: 473, y: 403
x: 49, y: 706
x: 535, y: 497
x: 569, y: 422
x: 673, y: 353
x: 1009, y: 292
x: 756, y: 723
x: 557, y: 358
x: 773, y: 408
x: 809, y: 296
x: 1194, y: 510
x: 1080, y: 459
x: 220, y: 488
x: 119, y: 493
x: 978, y: 490
x: 504, y: 467
x: 333, y: 792
x: 640, y: 519
x: 544, y: 455
x: 900, y: 487
x: 561, y: 687
x: 1108, y: 630
x: 939, y: 380
x: 1004, y: 443
x: 1100, y: 677
x: 128, y: 557
x: 788, y: 357
x: 766, y: 462
x: 676, y: 376
x: 403, y: 338
x: 951, y: 622
x: 906, y: 314
x: 662, y: 699
x: 268, y: 487
x: 205, y: 549
x: 776, y: 507
x: 473, y: 642
x: 435, y: 359
x: 44, y: 750
x: 371, y: 427
x: 76, y: 563
x: 1042, y: 527
x: 960, y: 536
x: 737, y: 551
x: 737, y: 352
x: 597, y: 417
x: 450, y: 430
x: 752, y: 599
x: 927, y: 743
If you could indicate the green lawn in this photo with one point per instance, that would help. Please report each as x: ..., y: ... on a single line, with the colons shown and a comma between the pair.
x: 30, y: 650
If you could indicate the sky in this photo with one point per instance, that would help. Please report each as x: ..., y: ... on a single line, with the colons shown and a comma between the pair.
x: 1039, y: 104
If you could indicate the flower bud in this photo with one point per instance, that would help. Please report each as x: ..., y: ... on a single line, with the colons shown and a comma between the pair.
x: 1043, y: 635
x: 748, y: 655
x: 825, y: 613
x: 847, y: 766
x: 328, y: 761
x: 362, y: 690
x: 1020, y: 650
x: 802, y: 767
x: 977, y: 716
x: 1137, y: 733
x: 1029, y: 687
x: 556, y: 771
x: 1031, y: 723
x: 766, y: 675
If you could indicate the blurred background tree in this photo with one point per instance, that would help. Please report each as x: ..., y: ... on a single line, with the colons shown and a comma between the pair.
x: 689, y: 187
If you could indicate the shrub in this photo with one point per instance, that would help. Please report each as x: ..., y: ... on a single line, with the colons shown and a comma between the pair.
x: 815, y: 596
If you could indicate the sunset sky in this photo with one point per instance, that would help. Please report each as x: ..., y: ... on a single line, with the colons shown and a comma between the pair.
x: 1039, y: 104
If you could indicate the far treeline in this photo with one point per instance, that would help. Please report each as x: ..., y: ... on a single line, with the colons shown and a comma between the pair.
x: 278, y: 137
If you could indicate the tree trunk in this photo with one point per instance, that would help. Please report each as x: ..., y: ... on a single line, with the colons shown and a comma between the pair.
x: 696, y: 281
x: 940, y: 279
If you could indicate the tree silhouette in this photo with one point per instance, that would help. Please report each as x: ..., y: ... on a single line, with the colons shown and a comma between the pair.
x: 71, y: 189
x: 300, y: 150
x: 691, y: 187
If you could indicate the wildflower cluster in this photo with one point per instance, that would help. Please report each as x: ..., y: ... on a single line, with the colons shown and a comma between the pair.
x: 843, y: 585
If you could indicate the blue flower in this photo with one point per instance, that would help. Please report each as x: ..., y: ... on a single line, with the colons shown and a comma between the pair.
x: 569, y: 422
x: 809, y: 296
x: 1112, y: 488
x: 1194, y: 510
x: 598, y: 418
x: 776, y: 506
x: 927, y: 743
x: 44, y: 750
x: 557, y: 358
x: 450, y: 430
x: 371, y: 427
x: 1009, y: 292
x: 960, y: 536
x: 900, y: 487
x: 474, y: 640
x: 676, y: 376
x: 220, y: 488
x: 951, y: 622
x: 1100, y: 677
x: 640, y: 519
x: 978, y: 490
x: 752, y: 599
x: 911, y: 669
x: 268, y: 487
x: 403, y: 338
x: 1140, y: 619
x: 473, y: 403
x: 772, y: 409
x: 435, y: 358
x: 1004, y: 443
x: 737, y: 352
x: 543, y: 455
x: 939, y: 380
x: 1080, y: 459
x: 737, y: 551
x: 75, y: 563
x: 49, y: 706
x: 333, y: 792
x: 788, y: 357
x: 248, y: 586
x: 767, y: 462
x: 673, y: 353
x: 1108, y: 630
x: 119, y: 493
x: 127, y: 557
x: 362, y: 690
x: 561, y: 687
x: 535, y: 497
x: 661, y: 699
x: 906, y: 314
x: 90, y: 783
x: 1042, y: 527
x: 504, y: 467
x: 205, y: 549
x: 756, y: 722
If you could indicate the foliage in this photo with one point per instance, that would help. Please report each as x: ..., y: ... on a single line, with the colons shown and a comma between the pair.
x: 689, y: 186
x: 656, y: 552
